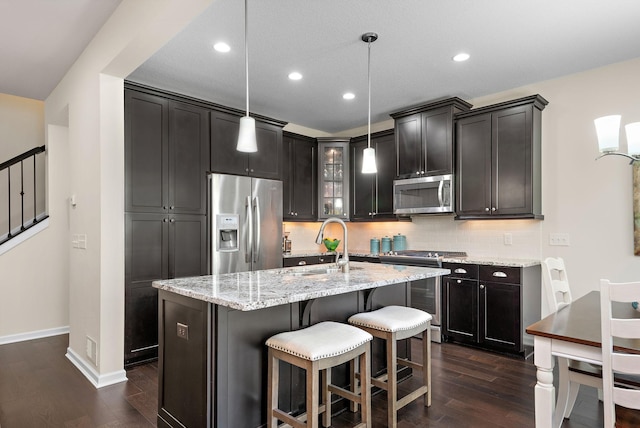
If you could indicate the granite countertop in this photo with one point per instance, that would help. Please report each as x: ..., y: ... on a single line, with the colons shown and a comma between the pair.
x: 476, y: 260
x: 247, y: 291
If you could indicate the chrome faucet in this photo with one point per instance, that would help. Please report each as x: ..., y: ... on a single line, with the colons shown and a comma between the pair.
x: 344, y: 262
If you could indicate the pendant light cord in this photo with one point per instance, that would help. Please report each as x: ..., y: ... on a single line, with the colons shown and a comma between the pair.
x: 246, y: 51
x: 369, y: 89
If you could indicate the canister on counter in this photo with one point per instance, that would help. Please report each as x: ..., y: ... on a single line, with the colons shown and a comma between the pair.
x: 374, y: 246
x: 399, y: 242
x: 385, y: 245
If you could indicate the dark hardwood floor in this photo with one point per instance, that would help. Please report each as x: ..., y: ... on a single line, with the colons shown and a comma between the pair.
x: 39, y: 387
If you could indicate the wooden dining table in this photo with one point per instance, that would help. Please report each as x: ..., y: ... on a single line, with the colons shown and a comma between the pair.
x: 573, y: 332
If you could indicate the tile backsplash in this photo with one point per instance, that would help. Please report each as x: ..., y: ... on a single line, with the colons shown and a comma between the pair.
x: 476, y: 237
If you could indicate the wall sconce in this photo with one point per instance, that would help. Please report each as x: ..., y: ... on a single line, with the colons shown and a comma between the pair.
x: 608, y: 129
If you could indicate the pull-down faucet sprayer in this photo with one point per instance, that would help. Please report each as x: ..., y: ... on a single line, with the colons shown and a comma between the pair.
x: 344, y: 262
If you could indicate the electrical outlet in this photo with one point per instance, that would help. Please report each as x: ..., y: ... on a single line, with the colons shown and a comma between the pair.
x: 183, y: 331
x: 559, y: 239
x: 508, y: 239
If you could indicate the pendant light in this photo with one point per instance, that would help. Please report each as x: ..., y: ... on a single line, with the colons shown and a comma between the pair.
x: 369, y: 154
x: 247, y: 135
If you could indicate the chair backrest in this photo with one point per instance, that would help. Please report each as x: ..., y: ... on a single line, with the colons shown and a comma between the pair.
x: 614, y: 361
x: 556, y: 283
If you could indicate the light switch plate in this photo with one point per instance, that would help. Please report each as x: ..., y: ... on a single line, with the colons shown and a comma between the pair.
x: 559, y: 239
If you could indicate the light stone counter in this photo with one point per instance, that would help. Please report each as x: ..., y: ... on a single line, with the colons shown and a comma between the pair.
x: 248, y: 291
x: 476, y: 260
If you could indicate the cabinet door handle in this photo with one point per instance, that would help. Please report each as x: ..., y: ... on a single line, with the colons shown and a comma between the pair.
x: 459, y: 281
x: 460, y: 270
x: 500, y: 274
x: 486, y: 209
x: 171, y: 207
x: 173, y: 220
x: 493, y: 208
x: 302, y: 263
x: 164, y: 220
x: 481, y: 286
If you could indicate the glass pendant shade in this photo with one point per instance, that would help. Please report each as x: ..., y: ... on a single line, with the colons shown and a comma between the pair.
x: 608, y: 129
x: 369, y: 161
x: 633, y: 138
x: 247, y: 135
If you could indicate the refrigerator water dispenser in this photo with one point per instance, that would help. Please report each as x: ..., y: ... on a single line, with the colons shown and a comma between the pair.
x: 227, y: 232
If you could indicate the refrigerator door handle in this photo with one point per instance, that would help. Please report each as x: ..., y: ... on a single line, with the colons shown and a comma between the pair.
x: 248, y: 231
x: 257, y: 219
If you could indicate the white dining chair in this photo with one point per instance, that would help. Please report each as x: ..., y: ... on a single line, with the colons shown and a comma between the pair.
x: 571, y: 374
x: 614, y: 361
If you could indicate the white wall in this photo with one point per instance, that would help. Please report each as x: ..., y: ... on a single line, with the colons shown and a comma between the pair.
x: 34, y: 292
x: 84, y: 123
x: 21, y: 129
x: 589, y: 200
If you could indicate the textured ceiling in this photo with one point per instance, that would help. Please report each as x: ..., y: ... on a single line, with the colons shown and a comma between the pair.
x: 41, y: 39
x: 511, y: 43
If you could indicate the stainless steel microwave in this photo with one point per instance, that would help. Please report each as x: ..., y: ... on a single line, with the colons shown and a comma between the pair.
x: 423, y: 195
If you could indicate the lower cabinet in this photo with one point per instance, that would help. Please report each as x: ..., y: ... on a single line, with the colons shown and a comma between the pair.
x: 157, y: 246
x: 490, y: 306
x: 212, y: 368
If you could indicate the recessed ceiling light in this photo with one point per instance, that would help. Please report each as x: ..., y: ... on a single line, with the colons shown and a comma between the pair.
x: 295, y: 75
x: 222, y: 47
x: 461, y: 57
x: 349, y: 96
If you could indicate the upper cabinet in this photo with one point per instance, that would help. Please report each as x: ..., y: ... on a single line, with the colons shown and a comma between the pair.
x: 267, y: 162
x: 498, y: 160
x: 300, y: 181
x: 333, y: 178
x: 424, y: 138
x: 167, y: 152
x: 372, y: 194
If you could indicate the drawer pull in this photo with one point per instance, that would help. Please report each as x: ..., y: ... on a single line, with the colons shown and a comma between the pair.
x: 500, y: 274
x: 302, y: 263
x: 460, y: 270
x: 459, y: 281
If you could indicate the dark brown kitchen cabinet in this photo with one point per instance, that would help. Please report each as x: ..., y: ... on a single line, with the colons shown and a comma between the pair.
x: 167, y: 151
x: 300, y: 186
x: 490, y: 306
x: 424, y: 138
x: 225, y: 159
x: 333, y: 178
x: 498, y: 161
x: 372, y: 194
x: 157, y: 246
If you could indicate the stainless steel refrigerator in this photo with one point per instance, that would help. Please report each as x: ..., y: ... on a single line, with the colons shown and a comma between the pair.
x: 245, y: 216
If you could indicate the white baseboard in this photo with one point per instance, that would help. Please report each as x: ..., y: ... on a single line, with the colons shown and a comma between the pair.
x: 96, y: 379
x: 13, y: 338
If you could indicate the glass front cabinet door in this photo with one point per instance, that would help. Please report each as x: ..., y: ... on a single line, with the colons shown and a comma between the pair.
x: 333, y: 178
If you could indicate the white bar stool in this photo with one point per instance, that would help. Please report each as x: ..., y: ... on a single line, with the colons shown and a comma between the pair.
x: 317, y: 349
x: 393, y: 323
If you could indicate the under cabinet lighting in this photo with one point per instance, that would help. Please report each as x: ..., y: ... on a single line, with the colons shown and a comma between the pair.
x: 295, y: 75
x: 349, y: 96
x: 461, y: 57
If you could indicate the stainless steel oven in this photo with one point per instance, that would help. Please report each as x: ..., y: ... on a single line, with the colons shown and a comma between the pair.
x: 426, y: 293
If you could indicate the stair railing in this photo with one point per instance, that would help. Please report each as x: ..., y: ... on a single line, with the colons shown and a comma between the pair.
x: 20, y: 159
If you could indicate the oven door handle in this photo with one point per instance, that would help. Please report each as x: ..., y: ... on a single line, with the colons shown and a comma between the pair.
x: 440, y: 188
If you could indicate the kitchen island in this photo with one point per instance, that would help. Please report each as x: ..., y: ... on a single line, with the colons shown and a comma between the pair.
x: 212, y: 358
